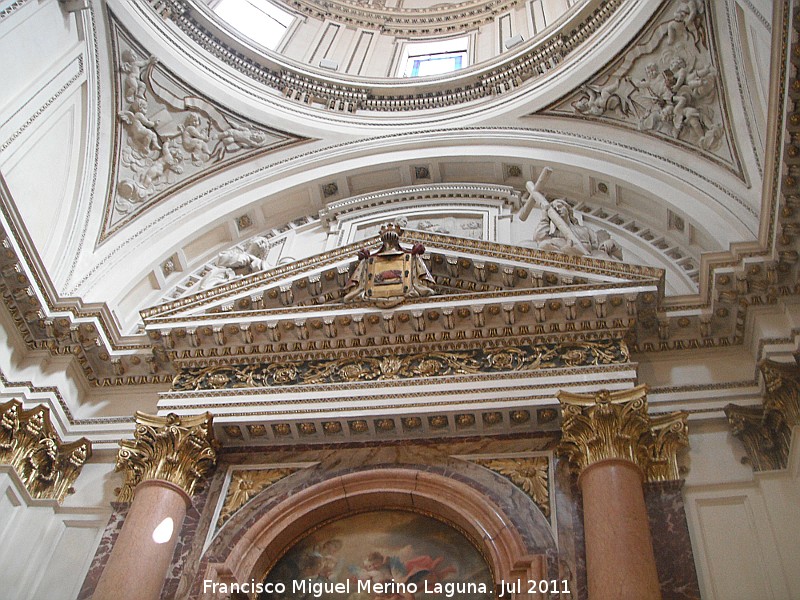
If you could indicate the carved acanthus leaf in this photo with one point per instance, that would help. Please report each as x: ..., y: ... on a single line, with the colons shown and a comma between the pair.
x: 180, y: 450
x: 766, y: 430
x: 766, y: 445
x: 615, y: 425
x: 530, y: 474
x: 782, y: 390
x: 47, y: 466
x: 410, y: 366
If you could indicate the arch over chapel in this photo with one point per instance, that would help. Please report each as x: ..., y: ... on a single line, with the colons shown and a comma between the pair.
x: 248, y: 556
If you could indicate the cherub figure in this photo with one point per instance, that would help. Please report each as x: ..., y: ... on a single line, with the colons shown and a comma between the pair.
x: 687, y: 21
x: 237, y: 137
x: 194, y: 139
x: 599, y: 99
x: 133, y: 86
x: 141, y: 130
x: 169, y: 162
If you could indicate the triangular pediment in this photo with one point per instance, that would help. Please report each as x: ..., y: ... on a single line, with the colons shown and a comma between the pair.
x: 481, y: 291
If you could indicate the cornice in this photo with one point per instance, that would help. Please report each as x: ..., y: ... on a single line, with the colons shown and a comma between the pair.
x: 439, y: 19
x: 347, y: 94
x: 754, y: 277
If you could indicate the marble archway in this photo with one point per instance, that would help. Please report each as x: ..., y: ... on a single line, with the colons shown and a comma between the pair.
x: 267, y: 537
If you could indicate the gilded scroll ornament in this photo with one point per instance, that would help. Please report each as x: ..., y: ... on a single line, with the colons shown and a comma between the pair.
x: 530, y: 474
x: 47, y: 466
x: 246, y: 484
x: 409, y: 366
x: 179, y: 449
x: 615, y: 425
x: 669, y: 435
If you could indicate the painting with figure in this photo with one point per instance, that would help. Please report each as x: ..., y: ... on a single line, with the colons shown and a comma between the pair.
x: 382, y: 546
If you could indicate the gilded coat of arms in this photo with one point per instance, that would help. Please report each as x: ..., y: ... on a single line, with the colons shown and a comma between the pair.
x: 391, y: 275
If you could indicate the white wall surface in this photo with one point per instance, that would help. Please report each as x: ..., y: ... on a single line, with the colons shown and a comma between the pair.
x: 46, y: 549
x: 745, y: 532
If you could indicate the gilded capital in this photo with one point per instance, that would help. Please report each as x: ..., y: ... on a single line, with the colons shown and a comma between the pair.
x: 179, y: 449
x: 766, y: 430
x: 47, y: 466
x: 766, y: 439
x: 782, y: 390
x: 615, y: 425
x: 669, y: 434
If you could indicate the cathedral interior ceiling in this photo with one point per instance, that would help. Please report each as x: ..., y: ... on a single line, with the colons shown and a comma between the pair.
x: 669, y: 83
x: 345, y: 95
x: 171, y: 141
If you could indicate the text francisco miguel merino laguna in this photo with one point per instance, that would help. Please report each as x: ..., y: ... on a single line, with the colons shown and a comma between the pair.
x: 449, y: 589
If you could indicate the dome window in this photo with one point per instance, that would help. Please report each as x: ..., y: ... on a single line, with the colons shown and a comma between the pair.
x: 260, y: 20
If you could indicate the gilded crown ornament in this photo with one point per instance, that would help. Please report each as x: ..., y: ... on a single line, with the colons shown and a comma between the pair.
x: 47, y: 466
x: 179, y: 449
x: 615, y: 425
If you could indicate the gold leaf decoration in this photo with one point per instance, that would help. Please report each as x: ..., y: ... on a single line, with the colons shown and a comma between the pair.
x: 530, y: 474
x: 408, y: 366
x: 47, y: 466
x: 615, y: 425
x: 178, y: 449
x: 246, y: 484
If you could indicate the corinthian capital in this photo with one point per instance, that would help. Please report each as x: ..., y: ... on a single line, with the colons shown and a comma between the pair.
x: 47, y: 466
x: 782, y: 390
x: 615, y: 425
x: 180, y: 450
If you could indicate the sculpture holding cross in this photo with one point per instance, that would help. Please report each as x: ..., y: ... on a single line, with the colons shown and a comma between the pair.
x: 559, y: 230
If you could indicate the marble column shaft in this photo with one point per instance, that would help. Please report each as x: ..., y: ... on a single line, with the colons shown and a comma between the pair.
x: 619, y: 550
x: 615, y: 445
x: 138, y: 563
x: 164, y: 465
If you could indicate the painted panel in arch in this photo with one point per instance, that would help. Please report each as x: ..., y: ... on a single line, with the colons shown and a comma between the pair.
x: 382, y: 546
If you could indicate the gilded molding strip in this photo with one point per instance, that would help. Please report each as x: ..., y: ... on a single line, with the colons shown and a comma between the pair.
x: 180, y: 450
x: 47, y: 466
x: 421, y: 365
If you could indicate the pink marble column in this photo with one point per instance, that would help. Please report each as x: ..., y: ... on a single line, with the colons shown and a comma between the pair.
x: 140, y: 559
x: 614, y: 444
x: 620, y: 562
x: 164, y: 465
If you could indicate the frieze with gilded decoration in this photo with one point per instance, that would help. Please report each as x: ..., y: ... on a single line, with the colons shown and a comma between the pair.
x: 410, y: 366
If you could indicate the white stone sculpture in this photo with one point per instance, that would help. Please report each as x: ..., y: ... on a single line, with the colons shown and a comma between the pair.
x: 242, y: 259
x: 188, y: 136
x: 560, y: 230
x: 666, y: 85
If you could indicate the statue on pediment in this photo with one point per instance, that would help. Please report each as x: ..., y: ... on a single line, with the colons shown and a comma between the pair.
x: 391, y: 275
x: 242, y: 259
x: 560, y: 230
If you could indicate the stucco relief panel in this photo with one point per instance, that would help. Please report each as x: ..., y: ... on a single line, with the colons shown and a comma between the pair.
x: 168, y: 135
x: 667, y: 84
